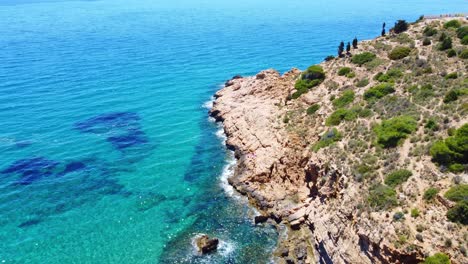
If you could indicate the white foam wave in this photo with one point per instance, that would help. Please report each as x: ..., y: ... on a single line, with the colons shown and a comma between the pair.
x: 209, y: 104
x: 228, y: 171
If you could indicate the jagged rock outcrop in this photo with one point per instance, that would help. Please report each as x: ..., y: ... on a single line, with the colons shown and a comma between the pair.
x: 318, y: 195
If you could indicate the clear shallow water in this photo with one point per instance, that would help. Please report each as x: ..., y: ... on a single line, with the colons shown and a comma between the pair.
x: 106, y: 153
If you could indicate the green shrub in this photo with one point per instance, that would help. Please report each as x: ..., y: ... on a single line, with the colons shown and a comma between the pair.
x: 452, y: 150
x: 390, y: 132
x: 442, y: 36
x: 378, y: 91
x: 312, y: 109
x: 463, y: 54
x: 312, y: 77
x: 351, y: 75
x: 415, y: 212
x: 446, y: 44
x: 462, y: 32
x: 457, y: 193
x: 426, y: 42
x: 464, y: 40
x: 362, y: 58
x: 343, y: 71
x: 397, y: 177
x: 382, y: 197
x: 459, y: 213
x: 399, y: 53
x: 345, y: 99
x: 400, y: 26
x: 329, y: 58
x: 438, y: 258
x: 456, y: 168
x: 452, y: 75
x: 430, y: 193
x: 339, y: 115
x: 452, y: 24
x: 429, y: 31
x: 362, y: 83
x: 451, y: 53
x: 451, y: 96
x: 431, y: 124
x: 327, y: 139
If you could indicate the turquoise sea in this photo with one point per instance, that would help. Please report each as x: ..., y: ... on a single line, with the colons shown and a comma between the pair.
x: 107, y: 154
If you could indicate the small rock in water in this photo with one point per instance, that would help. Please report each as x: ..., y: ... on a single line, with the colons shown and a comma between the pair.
x: 260, y: 219
x: 205, y: 244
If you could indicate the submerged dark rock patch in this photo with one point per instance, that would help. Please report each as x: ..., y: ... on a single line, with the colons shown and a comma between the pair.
x: 108, y: 121
x: 74, y: 166
x: 131, y: 138
x: 31, y: 169
x: 124, y: 129
x: 29, y: 223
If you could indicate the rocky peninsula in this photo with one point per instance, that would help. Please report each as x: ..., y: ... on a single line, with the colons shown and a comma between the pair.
x: 364, y: 156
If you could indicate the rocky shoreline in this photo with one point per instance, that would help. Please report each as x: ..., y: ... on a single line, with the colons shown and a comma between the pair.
x: 313, y: 193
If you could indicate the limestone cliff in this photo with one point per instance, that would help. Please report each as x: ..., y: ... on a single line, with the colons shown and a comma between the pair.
x: 322, y: 189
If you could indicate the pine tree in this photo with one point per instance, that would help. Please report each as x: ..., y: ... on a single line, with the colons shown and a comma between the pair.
x: 355, y: 42
x: 400, y: 26
x: 341, y: 49
x: 348, y: 48
x: 383, y: 29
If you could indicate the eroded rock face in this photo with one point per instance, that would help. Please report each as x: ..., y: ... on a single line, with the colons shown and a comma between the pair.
x: 317, y: 194
x: 205, y: 244
x: 278, y: 174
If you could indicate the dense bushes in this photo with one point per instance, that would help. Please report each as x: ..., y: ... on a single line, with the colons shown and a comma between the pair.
x: 362, y: 83
x: 382, y: 197
x: 327, y: 139
x: 426, y: 42
x: 451, y: 96
x: 378, y: 91
x: 312, y: 77
x: 430, y: 193
x: 390, y: 132
x: 462, y: 32
x: 397, y: 177
x: 343, y: 71
x: 339, y: 115
x: 400, y: 26
x: 362, y: 58
x: 346, y: 98
x: 446, y: 44
x: 452, y: 24
x: 451, y: 53
x: 390, y: 76
x: 312, y: 109
x: 463, y: 54
x: 452, y: 75
x: 457, y: 193
x: 453, y: 151
x: 429, y: 31
x: 399, y: 53
x: 459, y: 213
x: 439, y: 258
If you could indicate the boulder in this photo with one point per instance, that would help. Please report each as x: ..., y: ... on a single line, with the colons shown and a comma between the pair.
x: 260, y: 219
x: 205, y: 244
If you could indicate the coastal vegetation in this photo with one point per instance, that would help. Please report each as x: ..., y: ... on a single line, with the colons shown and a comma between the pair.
x: 381, y: 138
x: 406, y: 127
x: 310, y: 78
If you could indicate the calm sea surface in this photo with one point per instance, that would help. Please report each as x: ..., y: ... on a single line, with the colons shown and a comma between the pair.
x: 106, y: 151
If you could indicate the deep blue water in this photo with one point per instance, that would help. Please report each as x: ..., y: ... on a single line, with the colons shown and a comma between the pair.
x: 106, y: 151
